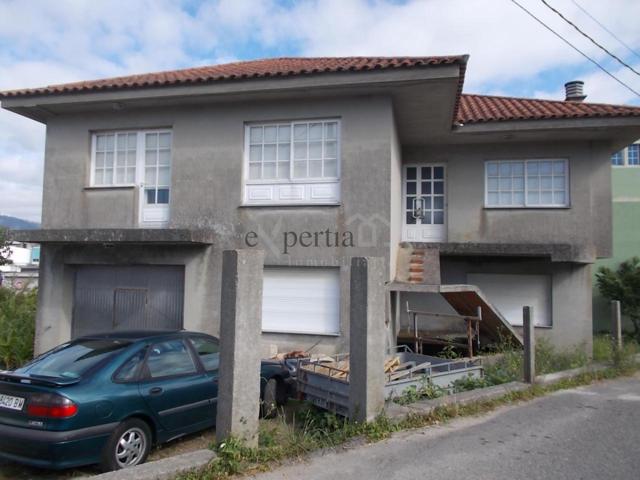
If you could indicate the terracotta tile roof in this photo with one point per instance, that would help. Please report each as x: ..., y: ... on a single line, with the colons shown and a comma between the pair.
x: 486, y: 108
x: 274, y: 67
x: 469, y: 108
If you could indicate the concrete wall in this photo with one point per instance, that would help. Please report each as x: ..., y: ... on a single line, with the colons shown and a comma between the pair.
x: 585, y: 225
x: 206, y: 193
x: 626, y: 237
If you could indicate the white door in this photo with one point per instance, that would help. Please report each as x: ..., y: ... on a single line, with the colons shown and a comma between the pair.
x: 155, y: 184
x: 301, y: 300
x: 424, y: 207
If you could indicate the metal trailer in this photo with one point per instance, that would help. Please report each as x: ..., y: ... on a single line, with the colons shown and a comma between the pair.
x: 327, y: 386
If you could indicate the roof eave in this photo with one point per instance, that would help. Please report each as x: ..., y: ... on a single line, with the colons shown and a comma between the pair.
x: 40, y: 107
x: 498, y: 126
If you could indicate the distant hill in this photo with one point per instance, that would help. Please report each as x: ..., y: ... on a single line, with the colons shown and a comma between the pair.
x: 17, y: 223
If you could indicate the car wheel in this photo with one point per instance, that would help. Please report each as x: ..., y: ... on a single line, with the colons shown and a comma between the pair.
x: 129, y: 445
x: 270, y: 399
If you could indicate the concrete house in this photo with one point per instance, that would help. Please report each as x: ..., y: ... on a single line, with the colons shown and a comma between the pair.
x: 148, y: 178
x: 625, y: 182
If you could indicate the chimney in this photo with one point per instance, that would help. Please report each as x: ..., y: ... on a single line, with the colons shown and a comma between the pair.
x: 574, y: 91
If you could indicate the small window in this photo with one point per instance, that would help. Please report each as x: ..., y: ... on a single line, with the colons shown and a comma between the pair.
x: 208, y: 351
x: 169, y: 359
x: 130, y: 369
x: 527, y: 183
x: 617, y: 159
x: 633, y: 154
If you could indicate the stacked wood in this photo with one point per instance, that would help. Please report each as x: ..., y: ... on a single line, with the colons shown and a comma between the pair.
x: 340, y: 369
x: 391, y: 364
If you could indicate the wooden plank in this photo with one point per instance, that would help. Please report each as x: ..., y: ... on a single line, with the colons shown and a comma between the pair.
x: 466, y: 302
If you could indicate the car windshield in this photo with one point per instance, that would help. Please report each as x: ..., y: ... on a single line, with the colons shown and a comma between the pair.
x: 73, y: 359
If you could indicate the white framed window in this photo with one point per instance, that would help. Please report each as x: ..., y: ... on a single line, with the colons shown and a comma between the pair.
x: 292, y: 162
x: 539, y: 183
x: 633, y: 154
x: 627, y: 157
x: 617, y: 159
x: 124, y: 158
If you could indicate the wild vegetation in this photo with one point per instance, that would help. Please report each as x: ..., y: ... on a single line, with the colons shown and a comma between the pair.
x: 623, y: 284
x: 17, y: 326
x: 507, y: 367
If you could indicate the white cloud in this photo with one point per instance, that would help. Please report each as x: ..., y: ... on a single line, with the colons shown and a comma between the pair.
x: 44, y: 42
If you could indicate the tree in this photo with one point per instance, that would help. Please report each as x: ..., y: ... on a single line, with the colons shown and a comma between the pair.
x: 4, y: 247
x: 623, y: 284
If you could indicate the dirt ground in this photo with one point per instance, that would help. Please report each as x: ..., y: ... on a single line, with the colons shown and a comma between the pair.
x: 197, y: 441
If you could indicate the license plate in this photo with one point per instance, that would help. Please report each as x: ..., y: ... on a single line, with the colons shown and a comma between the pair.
x: 12, y: 403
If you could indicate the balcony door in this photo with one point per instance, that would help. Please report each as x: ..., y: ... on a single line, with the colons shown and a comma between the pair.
x: 424, y: 203
x: 156, y: 179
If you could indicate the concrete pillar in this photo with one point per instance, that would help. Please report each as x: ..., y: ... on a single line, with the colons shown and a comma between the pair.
x: 528, y: 336
x: 240, y: 330
x: 616, y: 324
x: 367, y: 338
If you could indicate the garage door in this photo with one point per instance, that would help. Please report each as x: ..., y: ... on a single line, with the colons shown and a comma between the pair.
x: 301, y: 300
x: 110, y: 298
x: 509, y: 293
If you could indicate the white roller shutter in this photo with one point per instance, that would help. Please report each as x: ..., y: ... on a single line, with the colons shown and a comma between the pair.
x: 509, y: 293
x: 301, y: 300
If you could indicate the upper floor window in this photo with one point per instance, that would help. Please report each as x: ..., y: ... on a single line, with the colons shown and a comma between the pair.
x: 617, y: 158
x: 627, y: 157
x: 527, y: 183
x: 132, y: 158
x: 633, y: 154
x: 292, y: 162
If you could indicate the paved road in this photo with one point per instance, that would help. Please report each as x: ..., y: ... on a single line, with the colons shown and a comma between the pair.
x: 585, y: 433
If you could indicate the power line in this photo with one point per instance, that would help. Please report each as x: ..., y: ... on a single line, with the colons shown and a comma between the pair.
x: 606, y: 29
x: 622, y: 62
x: 576, y: 49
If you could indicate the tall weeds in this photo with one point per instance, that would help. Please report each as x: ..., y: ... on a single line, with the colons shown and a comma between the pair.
x: 17, y: 326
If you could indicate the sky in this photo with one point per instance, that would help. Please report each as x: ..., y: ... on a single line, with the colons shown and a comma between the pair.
x: 55, y: 41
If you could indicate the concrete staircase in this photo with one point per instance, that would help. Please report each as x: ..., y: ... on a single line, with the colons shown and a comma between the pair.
x: 418, y: 264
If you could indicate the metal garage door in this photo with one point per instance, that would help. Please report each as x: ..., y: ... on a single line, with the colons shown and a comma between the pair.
x: 139, y: 297
x: 301, y: 300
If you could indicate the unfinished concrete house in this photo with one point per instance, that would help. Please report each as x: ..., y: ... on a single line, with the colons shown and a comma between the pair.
x: 473, y: 201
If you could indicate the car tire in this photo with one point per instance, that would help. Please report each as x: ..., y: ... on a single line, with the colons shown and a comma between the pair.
x: 270, y: 397
x: 128, y: 445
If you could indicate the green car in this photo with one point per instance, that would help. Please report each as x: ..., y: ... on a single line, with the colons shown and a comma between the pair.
x: 108, y: 398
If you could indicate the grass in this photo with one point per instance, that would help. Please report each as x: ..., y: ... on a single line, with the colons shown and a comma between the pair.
x: 309, y: 429
x: 548, y: 360
x: 507, y: 368
x: 603, y: 349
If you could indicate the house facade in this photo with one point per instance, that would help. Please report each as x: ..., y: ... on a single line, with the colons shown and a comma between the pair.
x: 149, y: 178
x: 625, y: 183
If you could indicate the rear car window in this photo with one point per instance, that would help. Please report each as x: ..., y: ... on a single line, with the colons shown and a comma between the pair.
x: 73, y: 359
x: 170, y: 358
x: 208, y: 351
x: 130, y: 369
